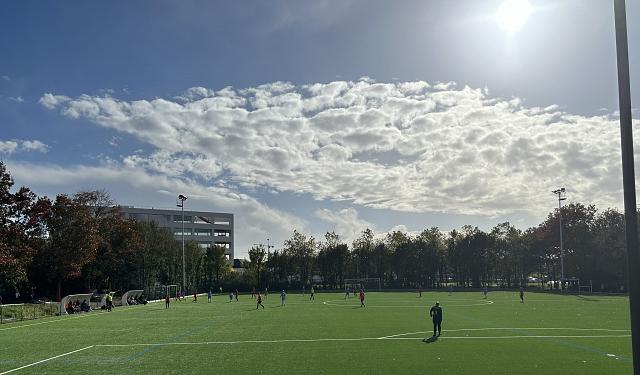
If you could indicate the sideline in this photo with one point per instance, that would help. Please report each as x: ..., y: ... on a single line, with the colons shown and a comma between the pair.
x: 46, y: 360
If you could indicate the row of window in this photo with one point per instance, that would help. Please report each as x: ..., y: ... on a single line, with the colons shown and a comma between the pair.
x: 201, y: 232
x: 197, y: 219
x: 206, y: 245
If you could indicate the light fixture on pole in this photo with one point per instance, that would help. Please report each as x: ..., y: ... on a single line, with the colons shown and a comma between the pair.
x: 183, y: 198
x: 560, y: 192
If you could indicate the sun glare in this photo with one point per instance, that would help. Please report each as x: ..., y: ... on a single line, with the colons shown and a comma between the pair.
x: 512, y: 15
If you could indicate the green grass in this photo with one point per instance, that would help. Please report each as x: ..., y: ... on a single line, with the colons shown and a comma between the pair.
x: 480, y: 337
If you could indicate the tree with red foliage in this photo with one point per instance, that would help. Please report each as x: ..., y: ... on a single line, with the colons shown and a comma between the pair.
x: 22, y: 218
x: 73, y: 240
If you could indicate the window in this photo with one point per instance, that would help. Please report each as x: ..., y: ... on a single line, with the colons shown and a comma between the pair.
x: 201, y: 219
x: 222, y: 233
x: 227, y: 256
x: 202, y: 232
x: 178, y: 231
x: 178, y: 219
x: 221, y: 221
x: 223, y: 244
x: 160, y: 218
x: 204, y: 245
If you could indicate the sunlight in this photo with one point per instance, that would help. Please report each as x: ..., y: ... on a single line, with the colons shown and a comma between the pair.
x: 512, y: 15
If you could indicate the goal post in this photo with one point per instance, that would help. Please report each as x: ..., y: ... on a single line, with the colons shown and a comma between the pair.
x: 585, y: 289
x: 368, y: 284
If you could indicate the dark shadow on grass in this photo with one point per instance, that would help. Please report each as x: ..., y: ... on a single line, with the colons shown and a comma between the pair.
x: 583, y: 298
x: 430, y: 340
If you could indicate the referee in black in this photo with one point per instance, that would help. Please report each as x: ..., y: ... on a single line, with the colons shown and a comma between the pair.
x: 436, y: 315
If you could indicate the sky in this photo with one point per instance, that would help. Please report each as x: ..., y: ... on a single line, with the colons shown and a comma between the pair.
x: 321, y: 115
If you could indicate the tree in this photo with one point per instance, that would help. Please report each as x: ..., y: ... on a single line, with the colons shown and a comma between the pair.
x: 22, y: 217
x: 332, y: 260
x: 216, y: 263
x: 257, y: 263
x: 302, y: 251
x: 73, y: 241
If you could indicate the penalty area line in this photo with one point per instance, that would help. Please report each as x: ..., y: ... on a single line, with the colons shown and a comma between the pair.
x: 514, y: 337
x: 46, y: 360
x: 348, y: 339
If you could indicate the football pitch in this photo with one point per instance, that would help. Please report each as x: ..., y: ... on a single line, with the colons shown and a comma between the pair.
x: 548, y: 334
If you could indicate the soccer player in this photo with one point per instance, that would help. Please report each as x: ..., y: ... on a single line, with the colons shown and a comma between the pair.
x: 346, y: 292
x: 259, y: 302
x: 167, y: 300
x: 420, y: 292
x: 266, y: 292
x: 521, y: 294
x: 450, y: 289
x: 283, y: 297
x: 436, y: 315
x: 178, y: 296
x: 109, y: 301
x: 361, y: 298
x: 236, y: 295
x: 195, y: 297
x: 313, y: 293
x: 485, y: 291
x: 253, y: 292
x: 303, y: 290
x: 209, y: 295
x: 230, y: 297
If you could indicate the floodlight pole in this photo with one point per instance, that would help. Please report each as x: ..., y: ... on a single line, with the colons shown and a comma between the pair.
x: 628, y: 178
x: 561, y: 197
x: 183, y: 198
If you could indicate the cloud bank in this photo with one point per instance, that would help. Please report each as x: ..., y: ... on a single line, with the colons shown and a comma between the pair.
x: 408, y: 146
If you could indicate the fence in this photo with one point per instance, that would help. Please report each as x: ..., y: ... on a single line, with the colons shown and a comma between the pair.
x: 27, y: 311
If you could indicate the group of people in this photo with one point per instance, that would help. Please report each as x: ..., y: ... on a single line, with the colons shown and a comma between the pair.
x: 76, y: 307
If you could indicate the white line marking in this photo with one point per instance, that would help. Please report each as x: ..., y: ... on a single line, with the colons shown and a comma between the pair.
x: 329, y: 303
x: 238, y: 342
x: 350, y: 339
x: 46, y: 360
x: 515, y: 329
x: 514, y: 337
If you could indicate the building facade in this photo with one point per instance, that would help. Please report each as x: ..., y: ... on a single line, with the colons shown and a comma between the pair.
x: 205, y: 228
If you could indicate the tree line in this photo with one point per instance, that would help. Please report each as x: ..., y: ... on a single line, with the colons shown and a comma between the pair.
x: 82, y: 242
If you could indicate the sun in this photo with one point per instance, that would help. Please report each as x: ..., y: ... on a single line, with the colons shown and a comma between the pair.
x: 512, y: 15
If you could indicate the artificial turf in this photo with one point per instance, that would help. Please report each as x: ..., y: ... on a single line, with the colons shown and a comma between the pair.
x: 331, y: 335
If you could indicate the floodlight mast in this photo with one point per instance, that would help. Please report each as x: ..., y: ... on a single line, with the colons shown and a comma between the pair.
x: 560, y: 192
x: 628, y: 178
x: 183, y: 198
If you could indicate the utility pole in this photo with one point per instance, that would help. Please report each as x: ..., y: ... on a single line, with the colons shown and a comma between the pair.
x: 268, y: 247
x: 628, y: 178
x: 183, y: 198
x: 560, y: 192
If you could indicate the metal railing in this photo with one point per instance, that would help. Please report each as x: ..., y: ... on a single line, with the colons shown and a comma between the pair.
x: 27, y: 311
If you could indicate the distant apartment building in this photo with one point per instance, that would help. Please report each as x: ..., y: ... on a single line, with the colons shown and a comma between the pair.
x: 205, y: 228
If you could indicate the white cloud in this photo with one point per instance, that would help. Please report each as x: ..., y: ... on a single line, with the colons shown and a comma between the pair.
x: 6, y: 78
x: 17, y: 99
x: 407, y: 146
x: 51, y: 101
x: 254, y: 221
x: 8, y: 147
x: 345, y: 223
x: 14, y: 145
x: 34, y: 145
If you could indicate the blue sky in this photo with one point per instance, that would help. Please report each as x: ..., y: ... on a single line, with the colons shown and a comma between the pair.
x: 338, y: 115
